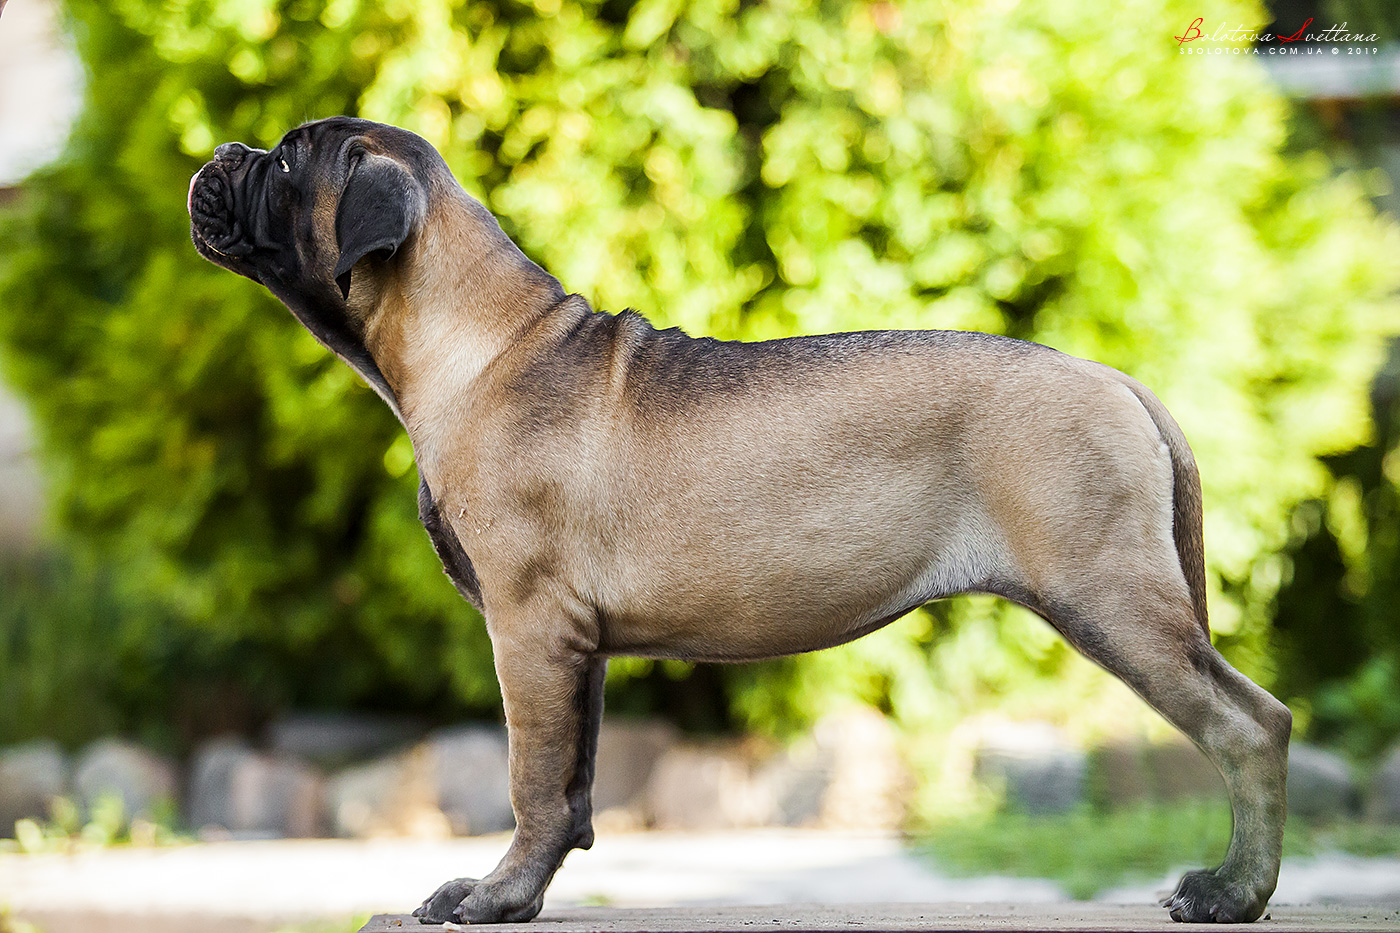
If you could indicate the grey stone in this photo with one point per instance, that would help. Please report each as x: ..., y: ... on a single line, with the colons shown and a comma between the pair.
x: 31, y: 776
x: 1131, y: 770
x: 455, y: 781
x: 1319, y: 783
x: 798, y: 780
x: 276, y: 796
x: 869, y: 783
x: 1040, y: 771
x: 847, y: 775
x: 1180, y: 770
x: 140, y: 779
x: 386, y: 797
x: 209, y: 795
x: 471, y: 774
x: 1383, y: 802
x: 333, y: 740
x: 253, y: 795
x: 1121, y: 774
x: 628, y: 751
x: 702, y: 787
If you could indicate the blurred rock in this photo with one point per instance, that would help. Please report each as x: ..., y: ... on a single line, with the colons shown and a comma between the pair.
x: 1180, y: 770
x: 1132, y: 770
x: 140, y: 779
x: 471, y: 774
x: 252, y: 795
x: 456, y: 781
x: 1041, y: 771
x: 797, y: 781
x: 1121, y: 774
x: 1319, y: 783
x: 847, y: 775
x: 334, y: 740
x: 1383, y: 802
x: 868, y: 782
x: 393, y: 796
x: 698, y: 786
x: 209, y: 797
x: 360, y: 800
x: 31, y: 775
x: 277, y: 797
x: 628, y: 751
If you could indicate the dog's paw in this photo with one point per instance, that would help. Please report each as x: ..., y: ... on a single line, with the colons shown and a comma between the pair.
x: 442, y: 906
x: 1205, y: 897
x: 467, y: 900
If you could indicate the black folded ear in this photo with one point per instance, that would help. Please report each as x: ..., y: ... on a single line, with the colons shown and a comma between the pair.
x: 380, y: 207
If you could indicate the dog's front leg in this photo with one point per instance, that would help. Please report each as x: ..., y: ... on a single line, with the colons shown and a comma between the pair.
x: 553, y: 694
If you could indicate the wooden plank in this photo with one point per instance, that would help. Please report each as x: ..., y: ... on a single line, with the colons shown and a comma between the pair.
x: 899, y: 918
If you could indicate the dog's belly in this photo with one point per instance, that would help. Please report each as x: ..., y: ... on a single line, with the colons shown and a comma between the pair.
x: 765, y: 613
x: 761, y: 569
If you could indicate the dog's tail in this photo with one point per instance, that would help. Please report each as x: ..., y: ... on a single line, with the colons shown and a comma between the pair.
x: 1186, y: 500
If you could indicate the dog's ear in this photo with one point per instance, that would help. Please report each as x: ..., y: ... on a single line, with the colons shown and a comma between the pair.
x: 380, y: 207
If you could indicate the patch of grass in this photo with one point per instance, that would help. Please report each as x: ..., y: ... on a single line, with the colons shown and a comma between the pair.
x: 1369, y: 839
x: 107, y: 825
x: 1086, y: 851
x: 1089, y: 851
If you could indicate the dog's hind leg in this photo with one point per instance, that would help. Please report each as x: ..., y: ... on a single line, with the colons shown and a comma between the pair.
x: 1138, y: 623
x: 553, y: 692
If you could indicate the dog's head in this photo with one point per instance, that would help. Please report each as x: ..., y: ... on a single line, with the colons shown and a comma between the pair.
x: 300, y: 217
x: 335, y: 198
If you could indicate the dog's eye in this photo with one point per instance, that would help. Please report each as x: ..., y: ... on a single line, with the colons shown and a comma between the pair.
x: 282, y: 164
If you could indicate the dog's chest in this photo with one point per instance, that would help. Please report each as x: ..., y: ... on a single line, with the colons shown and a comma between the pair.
x: 471, y: 521
x: 448, y: 545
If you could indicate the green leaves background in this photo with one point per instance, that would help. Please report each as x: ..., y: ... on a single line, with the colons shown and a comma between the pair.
x: 1050, y: 169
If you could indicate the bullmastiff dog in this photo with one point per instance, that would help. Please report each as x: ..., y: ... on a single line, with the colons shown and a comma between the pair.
x: 598, y: 487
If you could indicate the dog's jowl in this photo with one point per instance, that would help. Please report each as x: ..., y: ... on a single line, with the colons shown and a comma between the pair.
x: 598, y: 487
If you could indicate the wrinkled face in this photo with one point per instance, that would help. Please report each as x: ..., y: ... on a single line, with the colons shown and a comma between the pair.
x: 251, y: 211
x: 299, y: 218
x: 334, y: 198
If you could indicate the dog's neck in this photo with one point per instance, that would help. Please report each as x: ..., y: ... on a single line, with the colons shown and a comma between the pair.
x: 462, y: 296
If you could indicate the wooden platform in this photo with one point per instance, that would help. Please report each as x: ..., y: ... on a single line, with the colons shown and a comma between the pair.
x: 899, y: 918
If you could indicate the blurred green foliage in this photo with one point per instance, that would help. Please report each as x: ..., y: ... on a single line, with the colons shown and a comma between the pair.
x: 1338, y: 647
x: 62, y: 651
x: 1335, y: 642
x: 1049, y: 169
